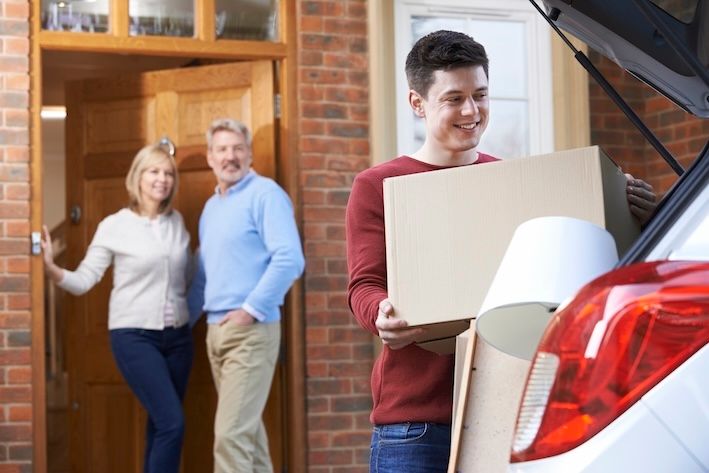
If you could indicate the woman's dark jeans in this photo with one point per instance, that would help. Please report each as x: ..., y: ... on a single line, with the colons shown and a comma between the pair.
x: 156, y: 365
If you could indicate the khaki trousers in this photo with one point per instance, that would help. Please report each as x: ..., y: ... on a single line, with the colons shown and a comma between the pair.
x: 243, y: 360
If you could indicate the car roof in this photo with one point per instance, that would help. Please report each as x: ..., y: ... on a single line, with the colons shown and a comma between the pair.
x: 665, y: 43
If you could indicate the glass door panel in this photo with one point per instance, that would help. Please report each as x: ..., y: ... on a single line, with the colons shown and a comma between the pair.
x: 81, y: 16
x: 247, y: 19
x: 161, y: 17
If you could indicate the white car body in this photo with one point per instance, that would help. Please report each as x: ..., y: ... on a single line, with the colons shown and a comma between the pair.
x: 667, y: 429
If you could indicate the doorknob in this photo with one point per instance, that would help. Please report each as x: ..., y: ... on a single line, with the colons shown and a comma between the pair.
x: 75, y: 214
x: 167, y: 143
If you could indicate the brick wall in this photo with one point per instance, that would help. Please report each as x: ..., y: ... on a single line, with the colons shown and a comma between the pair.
x: 334, y: 146
x: 15, y: 368
x: 681, y: 133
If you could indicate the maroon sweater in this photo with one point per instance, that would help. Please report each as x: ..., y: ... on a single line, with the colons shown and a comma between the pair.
x: 410, y: 384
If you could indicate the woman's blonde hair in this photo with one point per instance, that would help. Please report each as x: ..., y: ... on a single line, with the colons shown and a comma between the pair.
x: 146, y: 157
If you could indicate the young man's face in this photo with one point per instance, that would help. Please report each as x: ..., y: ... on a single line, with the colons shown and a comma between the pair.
x: 456, y: 109
x: 229, y: 157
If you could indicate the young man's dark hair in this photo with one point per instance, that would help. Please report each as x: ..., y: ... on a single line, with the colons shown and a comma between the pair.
x: 442, y: 50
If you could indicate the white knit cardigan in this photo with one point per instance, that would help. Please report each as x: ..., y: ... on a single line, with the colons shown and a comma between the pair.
x: 147, y: 273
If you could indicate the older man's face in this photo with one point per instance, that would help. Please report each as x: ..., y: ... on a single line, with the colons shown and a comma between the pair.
x: 229, y: 157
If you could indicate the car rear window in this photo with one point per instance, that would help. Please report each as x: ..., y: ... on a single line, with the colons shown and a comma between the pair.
x: 682, y: 10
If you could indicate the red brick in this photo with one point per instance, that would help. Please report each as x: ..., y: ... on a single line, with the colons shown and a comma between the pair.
x: 19, y: 375
x: 14, y: 209
x: 17, y: 155
x: 311, y: 58
x: 20, y: 413
x: 5, y: 468
x: 318, y: 440
x: 328, y: 386
x: 17, y: 82
x: 17, y: 118
x: 311, y: 24
x: 322, y: 248
x: 329, y: 352
x: 15, y: 394
x: 350, y: 25
x: 20, y: 283
x: 349, y: 369
x: 322, y: 76
x: 13, y: 172
x: 330, y: 422
x: 320, y: 179
x: 19, y: 302
x: 310, y: 92
x: 17, y: 228
x: 19, y: 264
x: 314, y: 335
x: 316, y: 369
x: 17, y: 46
x: 19, y: 10
x: 331, y: 457
x: 316, y: 300
x: 17, y: 191
x: 15, y: 433
x: 345, y: 439
x: 13, y: 137
x: 337, y: 301
x: 13, y: 356
x: 323, y: 8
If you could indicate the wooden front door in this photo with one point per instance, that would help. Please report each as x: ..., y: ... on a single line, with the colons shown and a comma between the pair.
x: 108, y: 121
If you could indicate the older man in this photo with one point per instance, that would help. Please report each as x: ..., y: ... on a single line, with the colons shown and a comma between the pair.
x: 250, y: 255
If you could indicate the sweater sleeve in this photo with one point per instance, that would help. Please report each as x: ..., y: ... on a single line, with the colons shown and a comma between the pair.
x: 92, y: 268
x: 366, y: 251
x: 195, y: 294
x: 280, y: 237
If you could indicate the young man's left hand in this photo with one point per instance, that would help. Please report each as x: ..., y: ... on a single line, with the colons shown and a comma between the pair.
x: 641, y: 198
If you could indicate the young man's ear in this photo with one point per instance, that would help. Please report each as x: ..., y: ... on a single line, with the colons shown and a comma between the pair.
x: 416, y: 102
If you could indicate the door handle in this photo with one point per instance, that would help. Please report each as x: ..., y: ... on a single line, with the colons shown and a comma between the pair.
x: 167, y: 143
x: 75, y: 214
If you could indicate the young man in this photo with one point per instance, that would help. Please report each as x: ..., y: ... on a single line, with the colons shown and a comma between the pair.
x: 250, y: 255
x: 412, y: 388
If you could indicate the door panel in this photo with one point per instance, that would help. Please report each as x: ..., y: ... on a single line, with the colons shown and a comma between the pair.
x: 108, y: 121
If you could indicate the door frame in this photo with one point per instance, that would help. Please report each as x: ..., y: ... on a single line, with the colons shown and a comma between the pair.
x: 204, y: 46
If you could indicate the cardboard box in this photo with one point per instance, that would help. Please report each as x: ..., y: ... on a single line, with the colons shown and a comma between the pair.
x: 490, y: 391
x: 447, y: 231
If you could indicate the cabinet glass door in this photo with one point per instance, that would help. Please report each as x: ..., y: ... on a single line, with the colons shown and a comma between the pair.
x: 161, y: 17
x: 247, y: 19
x: 87, y: 16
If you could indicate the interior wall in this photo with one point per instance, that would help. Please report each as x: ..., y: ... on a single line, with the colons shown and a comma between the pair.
x: 54, y: 184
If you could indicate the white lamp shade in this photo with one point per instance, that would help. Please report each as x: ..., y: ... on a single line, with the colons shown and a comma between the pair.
x: 546, y: 262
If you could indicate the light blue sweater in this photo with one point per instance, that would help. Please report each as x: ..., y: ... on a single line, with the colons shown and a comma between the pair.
x: 250, y: 252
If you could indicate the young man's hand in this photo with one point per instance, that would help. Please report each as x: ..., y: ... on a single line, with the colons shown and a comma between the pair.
x: 641, y: 198
x: 395, y: 333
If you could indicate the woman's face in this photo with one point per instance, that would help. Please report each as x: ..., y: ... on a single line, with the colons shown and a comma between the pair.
x: 156, y: 182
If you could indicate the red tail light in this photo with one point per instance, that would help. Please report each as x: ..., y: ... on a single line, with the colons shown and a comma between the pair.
x: 620, y: 336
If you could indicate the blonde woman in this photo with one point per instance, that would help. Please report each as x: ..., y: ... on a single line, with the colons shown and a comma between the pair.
x: 147, y: 317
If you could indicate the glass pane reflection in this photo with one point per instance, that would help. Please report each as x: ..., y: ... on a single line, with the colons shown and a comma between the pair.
x: 247, y: 19
x: 161, y: 17
x: 88, y: 16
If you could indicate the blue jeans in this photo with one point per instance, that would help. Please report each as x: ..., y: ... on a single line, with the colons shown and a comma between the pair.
x: 417, y: 447
x: 156, y: 365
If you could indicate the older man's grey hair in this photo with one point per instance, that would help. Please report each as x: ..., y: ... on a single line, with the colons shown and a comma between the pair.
x: 228, y: 124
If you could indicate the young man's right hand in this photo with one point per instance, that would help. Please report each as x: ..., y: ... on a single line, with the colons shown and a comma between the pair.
x: 395, y: 333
